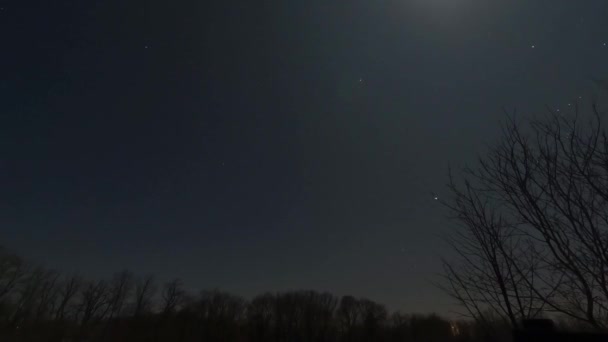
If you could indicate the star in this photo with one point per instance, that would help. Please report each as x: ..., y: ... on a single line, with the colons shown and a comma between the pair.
x: 533, y: 46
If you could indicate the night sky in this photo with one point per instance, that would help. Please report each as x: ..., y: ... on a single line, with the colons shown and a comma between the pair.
x: 275, y: 145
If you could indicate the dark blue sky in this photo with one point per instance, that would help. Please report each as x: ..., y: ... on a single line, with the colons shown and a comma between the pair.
x: 272, y: 146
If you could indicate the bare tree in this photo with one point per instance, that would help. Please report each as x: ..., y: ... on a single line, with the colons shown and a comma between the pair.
x: 47, y: 297
x: 220, y: 315
x: 172, y: 296
x: 534, y: 223
x: 67, y: 290
x: 11, y: 271
x: 349, y: 316
x: 261, y: 317
x: 118, y: 293
x: 318, y: 311
x: 487, y: 276
x: 289, y: 317
x: 144, y: 295
x: 94, y: 297
x: 219, y: 305
x: 29, y: 295
x: 374, y: 316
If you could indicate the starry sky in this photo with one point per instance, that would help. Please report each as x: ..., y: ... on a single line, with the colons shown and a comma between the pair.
x: 273, y: 145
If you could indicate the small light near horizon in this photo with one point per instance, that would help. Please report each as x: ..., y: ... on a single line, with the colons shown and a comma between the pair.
x: 455, y: 329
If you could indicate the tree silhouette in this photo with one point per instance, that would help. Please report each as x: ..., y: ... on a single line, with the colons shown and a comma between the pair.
x: 66, y: 292
x: 94, y: 297
x: 11, y: 270
x: 41, y: 305
x: 534, y: 219
x: 144, y: 293
x: 349, y: 317
x: 172, y: 296
x: 261, y: 317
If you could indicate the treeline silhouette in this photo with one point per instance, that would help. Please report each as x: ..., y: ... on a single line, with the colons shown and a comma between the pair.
x: 41, y: 305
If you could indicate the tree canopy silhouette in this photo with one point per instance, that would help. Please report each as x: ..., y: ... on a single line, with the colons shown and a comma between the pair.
x: 41, y: 305
x: 533, y: 214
